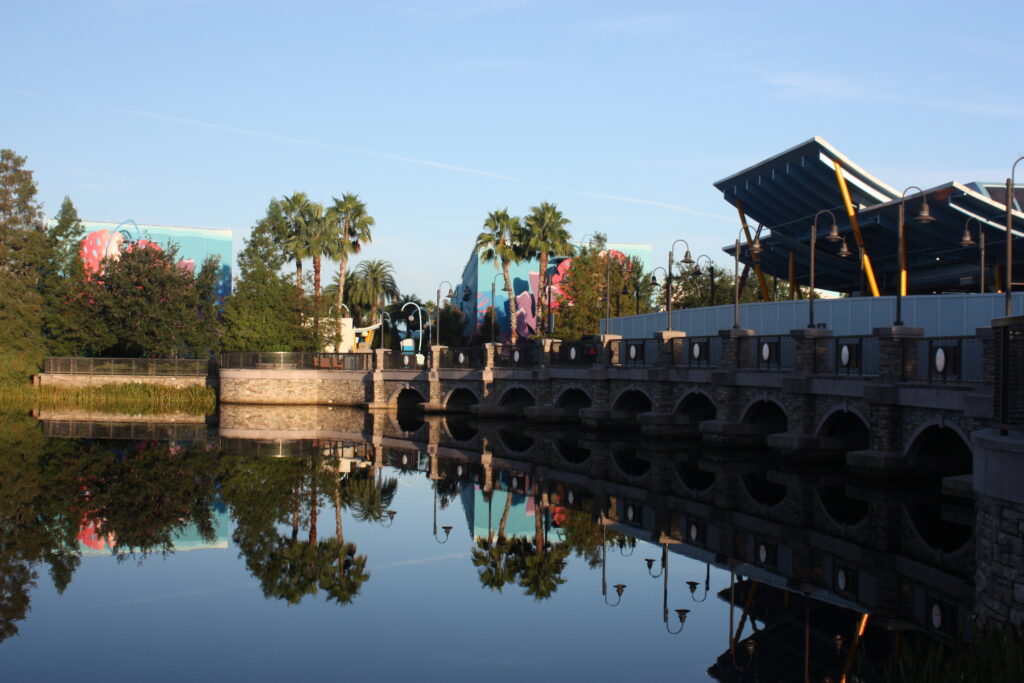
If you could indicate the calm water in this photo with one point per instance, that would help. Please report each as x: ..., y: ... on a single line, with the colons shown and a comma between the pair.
x: 298, y: 543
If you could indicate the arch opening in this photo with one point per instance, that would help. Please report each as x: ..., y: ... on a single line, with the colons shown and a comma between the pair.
x: 410, y: 416
x: 515, y: 440
x: 841, y: 508
x: 630, y: 463
x: 461, y: 427
x: 941, y: 451
x: 571, y: 451
x: 848, y: 428
x: 767, y: 414
x: 763, y: 491
x: 517, y: 398
x: 409, y: 399
x: 574, y: 399
x: 697, y: 408
x: 460, y: 400
x: 633, y: 401
x: 694, y: 478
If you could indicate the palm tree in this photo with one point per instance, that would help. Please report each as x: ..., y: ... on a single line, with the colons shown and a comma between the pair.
x: 501, y: 242
x: 375, y: 284
x: 296, y: 213
x: 546, y: 236
x: 321, y: 233
x: 353, y: 231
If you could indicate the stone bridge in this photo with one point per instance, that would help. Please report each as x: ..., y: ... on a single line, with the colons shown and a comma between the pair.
x: 891, y: 401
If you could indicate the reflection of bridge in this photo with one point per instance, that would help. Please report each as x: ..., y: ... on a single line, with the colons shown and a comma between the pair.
x: 891, y: 400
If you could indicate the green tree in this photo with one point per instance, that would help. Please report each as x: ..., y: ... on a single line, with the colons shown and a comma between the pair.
x: 581, y: 304
x: 63, y: 271
x: 22, y: 261
x: 374, y: 285
x: 502, y: 244
x: 545, y: 236
x: 354, y: 225
x: 264, y: 311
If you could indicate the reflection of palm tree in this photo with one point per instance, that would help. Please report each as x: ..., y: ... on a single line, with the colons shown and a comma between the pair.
x: 542, y: 566
x: 497, y: 561
x: 368, y: 497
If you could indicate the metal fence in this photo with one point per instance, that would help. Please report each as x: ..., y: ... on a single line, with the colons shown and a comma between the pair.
x: 132, y: 431
x: 850, y: 355
x: 157, y: 367
x: 296, y: 360
x: 696, y: 352
x: 1008, y: 365
x: 773, y: 352
x: 575, y: 353
x: 513, y: 356
x: 634, y: 352
x: 463, y: 357
x: 406, y: 361
x: 949, y: 359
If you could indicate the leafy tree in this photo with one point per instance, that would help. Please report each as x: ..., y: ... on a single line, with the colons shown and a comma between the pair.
x: 545, y: 236
x: 22, y: 260
x: 502, y: 243
x: 264, y: 311
x: 354, y: 225
x: 63, y: 270
x: 145, y: 305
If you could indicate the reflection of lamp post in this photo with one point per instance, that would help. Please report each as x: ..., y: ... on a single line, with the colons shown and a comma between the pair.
x: 419, y: 312
x: 437, y: 333
x: 619, y: 587
x: 753, y: 249
x: 833, y: 236
x: 692, y: 585
x: 663, y: 573
x: 711, y: 275
x: 390, y: 514
x: 923, y: 216
x: 664, y: 562
x: 968, y: 241
x: 447, y: 529
x: 1009, y: 236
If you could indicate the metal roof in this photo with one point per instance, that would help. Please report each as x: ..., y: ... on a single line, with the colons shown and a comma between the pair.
x: 783, y: 194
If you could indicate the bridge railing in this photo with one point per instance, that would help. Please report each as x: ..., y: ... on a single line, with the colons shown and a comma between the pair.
x: 633, y: 352
x: 416, y: 362
x: 771, y: 352
x: 576, y: 353
x: 948, y: 359
x: 462, y: 357
x: 515, y: 356
x: 166, y: 367
x: 696, y: 352
x: 296, y: 360
x: 1008, y: 369
x: 847, y: 356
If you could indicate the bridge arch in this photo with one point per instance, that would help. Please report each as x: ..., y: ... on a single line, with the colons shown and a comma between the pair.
x: 629, y: 463
x: 571, y: 451
x: 940, y: 447
x: 460, y: 399
x: 768, y: 413
x: 697, y: 405
x: 574, y: 398
x: 633, y: 400
x: 517, y: 397
x: 406, y: 396
x: 848, y: 425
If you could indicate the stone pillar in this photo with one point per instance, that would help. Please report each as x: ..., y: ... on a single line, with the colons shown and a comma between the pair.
x: 811, y: 352
x: 732, y: 341
x: 380, y: 358
x: 609, y: 350
x: 897, y: 352
x: 665, y: 339
x: 489, y: 350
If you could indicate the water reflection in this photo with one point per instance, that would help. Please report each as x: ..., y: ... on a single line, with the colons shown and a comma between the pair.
x: 825, y: 576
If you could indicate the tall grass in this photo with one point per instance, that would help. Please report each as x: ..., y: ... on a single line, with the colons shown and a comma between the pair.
x: 133, y: 399
x: 994, y: 655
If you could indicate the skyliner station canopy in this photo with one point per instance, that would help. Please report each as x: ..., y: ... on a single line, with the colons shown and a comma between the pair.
x: 780, y: 197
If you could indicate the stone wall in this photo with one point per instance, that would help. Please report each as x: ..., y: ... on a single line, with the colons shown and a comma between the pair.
x: 296, y: 387
x: 999, y: 568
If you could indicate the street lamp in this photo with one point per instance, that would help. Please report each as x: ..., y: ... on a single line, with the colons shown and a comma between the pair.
x: 419, y: 312
x: 753, y: 249
x: 1009, y: 236
x: 619, y: 587
x: 923, y: 216
x: 451, y: 293
x: 446, y: 528
x: 687, y: 259
x: 692, y: 585
x: 663, y: 573
x: 968, y: 241
x: 664, y: 563
x: 711, y: 274
x: 832, y: 236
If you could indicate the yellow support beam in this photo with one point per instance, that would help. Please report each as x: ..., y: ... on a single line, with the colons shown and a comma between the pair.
x: 858, y: 238
x: 753, y: 257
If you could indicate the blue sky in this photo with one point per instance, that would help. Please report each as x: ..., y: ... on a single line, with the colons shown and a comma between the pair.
x: 196, y: 113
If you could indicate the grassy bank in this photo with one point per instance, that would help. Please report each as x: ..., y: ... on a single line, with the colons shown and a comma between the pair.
x: 134, y: 399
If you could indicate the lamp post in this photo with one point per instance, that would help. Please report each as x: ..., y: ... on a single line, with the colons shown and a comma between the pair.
x: 654, y: 282
x: 494, y: 307
x: 663, y: 573
x: 754, y: 248
x: 687, y: 259
x: 451, y: 293
x: 692, y: 585
x: 833, y: 236
x: 1009, y: 236
x: 711, y: 275
x: 968, y: 241
x: 923, y: 216
x: 619, y: 587
x: 419, y: 312
x: 446, y: 528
